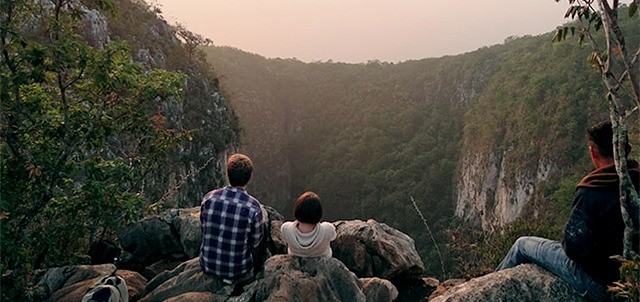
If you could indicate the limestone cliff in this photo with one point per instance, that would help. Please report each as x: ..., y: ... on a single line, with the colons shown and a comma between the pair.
x: 524, y: 133
x: 490, y: 193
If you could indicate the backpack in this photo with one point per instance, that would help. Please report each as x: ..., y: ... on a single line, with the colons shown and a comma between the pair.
x: 111, y: 288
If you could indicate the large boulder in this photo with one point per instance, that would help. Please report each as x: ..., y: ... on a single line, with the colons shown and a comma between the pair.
x: 70, y: 283
x: 373, y: 249
x: 379, y: 290
x: 184, y: 279
x: 289, y: 278
x: 173, y: 235
x: 526, y: 282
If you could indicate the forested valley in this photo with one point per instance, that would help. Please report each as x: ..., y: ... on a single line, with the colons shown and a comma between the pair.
x: 369, y: 138
x: 109, y: 114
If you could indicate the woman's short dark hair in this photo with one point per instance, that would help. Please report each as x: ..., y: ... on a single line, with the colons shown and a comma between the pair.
x: 307, y: 208
x: 239, y: 169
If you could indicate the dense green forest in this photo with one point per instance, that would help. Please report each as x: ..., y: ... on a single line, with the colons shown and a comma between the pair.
x: 101, y: 123
x: 368, y: 137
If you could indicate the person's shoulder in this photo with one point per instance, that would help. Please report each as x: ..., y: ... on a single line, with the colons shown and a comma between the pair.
x: 328, y: 227
x: 253, y: 200
x: 287, y: 226
x: 213, y: 194
x: 595, y: 199
x: 596, y: 193
x: 329, y: 230
x: 254, y: 203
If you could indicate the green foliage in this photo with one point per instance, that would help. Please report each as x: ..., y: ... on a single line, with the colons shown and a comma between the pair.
x: 476, y: 252
x: 80, y: 134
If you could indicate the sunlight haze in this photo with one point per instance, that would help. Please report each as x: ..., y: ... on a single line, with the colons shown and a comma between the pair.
x: 361, y: 30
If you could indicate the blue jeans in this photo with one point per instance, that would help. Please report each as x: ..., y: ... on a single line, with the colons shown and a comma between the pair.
x: 549, y: 255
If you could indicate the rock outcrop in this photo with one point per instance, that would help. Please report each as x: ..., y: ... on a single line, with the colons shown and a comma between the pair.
x: 70, y: 283
x: 174, y: 235
x: 522, y: 283
x: 289, y: 278
x: 376, y: 289
x: 369, y: 249
x: 187, y: 278
x: 285, y: 278
x: 373, y: 249
x: 158, y: 246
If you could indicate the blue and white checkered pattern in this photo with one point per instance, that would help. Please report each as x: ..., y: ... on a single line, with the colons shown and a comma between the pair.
x: 232, y: 226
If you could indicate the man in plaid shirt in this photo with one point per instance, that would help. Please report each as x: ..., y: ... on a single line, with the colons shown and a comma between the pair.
x: 232, y: 225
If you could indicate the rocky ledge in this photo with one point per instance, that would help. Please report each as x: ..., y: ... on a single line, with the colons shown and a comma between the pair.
x: 371, y: 262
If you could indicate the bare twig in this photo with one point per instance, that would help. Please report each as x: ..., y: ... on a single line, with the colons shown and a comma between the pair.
x: 415, y: 206
x: 182, y: 181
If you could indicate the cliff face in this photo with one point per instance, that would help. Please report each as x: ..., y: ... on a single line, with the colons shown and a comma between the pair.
x: 195, y: 167
x: 489, y: 196
x: 525, y: 132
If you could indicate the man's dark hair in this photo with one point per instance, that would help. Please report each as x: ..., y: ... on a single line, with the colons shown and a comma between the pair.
x: 307, y: 208
x: 601, y: 135
x: 239, y: 169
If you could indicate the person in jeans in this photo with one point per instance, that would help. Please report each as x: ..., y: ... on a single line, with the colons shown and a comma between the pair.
x: 232, y: 226
x: 594, y: 231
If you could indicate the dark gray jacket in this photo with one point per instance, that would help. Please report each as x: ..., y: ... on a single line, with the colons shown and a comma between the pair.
x: 595, y: 229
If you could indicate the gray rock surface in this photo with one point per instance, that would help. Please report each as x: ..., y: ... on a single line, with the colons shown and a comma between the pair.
x: 373, y: 249
x: 443, y: 287
x: 186, y: 278
x: 378, y: 290
x: 522, y: 283
x: 317, y: 279
x: 198, y: 297
x: 188, y: 227
x: 154, y: 238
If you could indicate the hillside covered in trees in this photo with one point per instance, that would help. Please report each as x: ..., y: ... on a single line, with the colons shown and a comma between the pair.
x: 101, y: 123
x: 478, y: 140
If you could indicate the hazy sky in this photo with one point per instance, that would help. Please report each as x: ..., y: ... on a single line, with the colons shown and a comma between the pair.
x: 361, y: 30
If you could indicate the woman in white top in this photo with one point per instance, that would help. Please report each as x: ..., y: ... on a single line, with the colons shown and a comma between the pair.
x: 307, y: 236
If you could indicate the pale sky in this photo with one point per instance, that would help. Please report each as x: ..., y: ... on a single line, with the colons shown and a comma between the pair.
x: 355, y: 31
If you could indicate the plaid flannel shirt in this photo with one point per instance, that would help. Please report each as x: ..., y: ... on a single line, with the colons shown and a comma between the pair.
x: 232, y: 227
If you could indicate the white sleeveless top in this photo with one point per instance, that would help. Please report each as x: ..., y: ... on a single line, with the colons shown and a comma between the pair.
x: 312, y: 244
